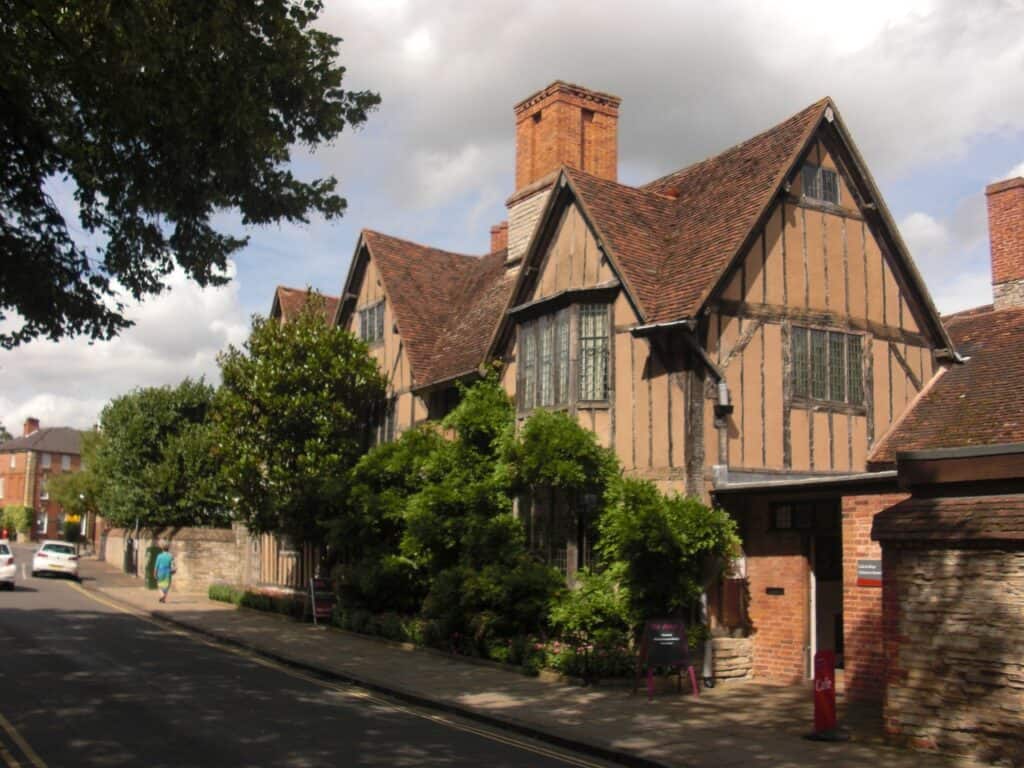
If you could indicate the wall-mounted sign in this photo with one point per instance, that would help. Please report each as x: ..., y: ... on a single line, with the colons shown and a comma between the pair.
x: 869, y: 573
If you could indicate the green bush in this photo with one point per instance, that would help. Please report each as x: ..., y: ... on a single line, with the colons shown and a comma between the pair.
x: 18, y: 518
x: 225, y: 593
x: 665, y: 548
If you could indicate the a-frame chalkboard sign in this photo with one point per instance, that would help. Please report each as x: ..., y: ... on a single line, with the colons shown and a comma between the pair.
x: 664, y: 645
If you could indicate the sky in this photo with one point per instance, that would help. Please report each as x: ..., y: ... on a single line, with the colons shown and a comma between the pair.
x: 932, y: 92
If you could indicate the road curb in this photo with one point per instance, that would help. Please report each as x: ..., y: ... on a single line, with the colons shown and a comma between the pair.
x: 408, y: 697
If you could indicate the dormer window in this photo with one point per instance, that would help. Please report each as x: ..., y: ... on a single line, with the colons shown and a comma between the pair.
x: 820, y: 184
x: 371, y: 323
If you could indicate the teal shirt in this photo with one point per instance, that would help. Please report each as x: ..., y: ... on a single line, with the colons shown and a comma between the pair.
x: 164, y: 563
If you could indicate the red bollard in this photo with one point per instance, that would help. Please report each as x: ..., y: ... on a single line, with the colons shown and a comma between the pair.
x: 824, y: 694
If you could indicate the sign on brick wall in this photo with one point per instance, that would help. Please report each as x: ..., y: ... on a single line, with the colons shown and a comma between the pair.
x: 869, y: 573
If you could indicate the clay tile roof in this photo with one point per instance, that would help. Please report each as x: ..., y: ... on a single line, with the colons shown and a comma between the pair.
x: 288, y: 302
x: 446, y: 304
x: 49, y: 440
x: 476, y: 311
x: 979, y: 402
x: 635, y: 224
x: 674, y: 237
x: 953, y: 518
x: 718, y: 203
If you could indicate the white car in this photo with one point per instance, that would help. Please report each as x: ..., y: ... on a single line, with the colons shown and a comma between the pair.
x: 56, y: 557
x: 7, y: 566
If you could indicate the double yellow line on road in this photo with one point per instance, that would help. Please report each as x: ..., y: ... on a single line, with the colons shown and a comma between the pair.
x: 349, y: 692
x: 9, y: 758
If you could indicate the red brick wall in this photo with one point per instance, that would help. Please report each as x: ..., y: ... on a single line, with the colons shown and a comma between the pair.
x: 779, y: 623
x: 863, y: 650
x: 566, y: 125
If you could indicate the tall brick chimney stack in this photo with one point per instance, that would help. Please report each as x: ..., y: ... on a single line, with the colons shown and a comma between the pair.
x: 562, y: 124
x: 1006, y: 238
x: 31, y: 425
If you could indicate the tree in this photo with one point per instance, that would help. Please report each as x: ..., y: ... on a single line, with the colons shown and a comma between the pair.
x: 4, y: 434
x: 79, y: 492
x: 294, y: 414
x: 157, y: 460
x: 156, y: 115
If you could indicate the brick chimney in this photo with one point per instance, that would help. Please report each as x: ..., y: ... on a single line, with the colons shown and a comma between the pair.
x: 499, y: 237
x: 31, y: 425
x: 562, y: 124
x: 1006, y: 238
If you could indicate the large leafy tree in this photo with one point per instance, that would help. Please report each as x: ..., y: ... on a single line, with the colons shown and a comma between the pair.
x: 156, y: 115
x: 157, y: 460
x: 294, y: 413
x: 4, y: 434
x: 79, y: 492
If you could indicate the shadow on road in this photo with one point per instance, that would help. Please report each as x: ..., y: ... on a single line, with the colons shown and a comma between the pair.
x: 101, y: 688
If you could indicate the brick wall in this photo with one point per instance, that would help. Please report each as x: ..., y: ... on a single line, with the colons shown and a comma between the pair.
x: 778, y: 622
x: 1006, y: 234
x: 863, y: 653
x: 953, y: 640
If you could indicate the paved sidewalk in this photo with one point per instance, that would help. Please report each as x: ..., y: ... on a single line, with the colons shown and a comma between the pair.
x: 738, y: 724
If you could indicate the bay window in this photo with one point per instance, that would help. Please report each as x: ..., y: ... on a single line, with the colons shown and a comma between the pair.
x: 554, y: 348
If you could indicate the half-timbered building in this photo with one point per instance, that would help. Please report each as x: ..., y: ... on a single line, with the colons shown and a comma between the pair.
x: 745, y: 329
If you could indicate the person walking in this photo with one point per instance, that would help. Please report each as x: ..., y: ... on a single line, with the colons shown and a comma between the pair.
x: 163, y: 570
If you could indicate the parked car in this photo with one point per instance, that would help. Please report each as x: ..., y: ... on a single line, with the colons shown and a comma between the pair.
x: 56, y: 557
x: 7, y: 567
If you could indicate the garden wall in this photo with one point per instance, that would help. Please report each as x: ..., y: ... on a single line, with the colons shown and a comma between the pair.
x: 203, y: 556
x: 953, y: 597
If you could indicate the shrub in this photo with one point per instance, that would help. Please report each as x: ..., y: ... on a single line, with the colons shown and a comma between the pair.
x: 667, y: 547
x: 225, y: 593
x: 18, y: 518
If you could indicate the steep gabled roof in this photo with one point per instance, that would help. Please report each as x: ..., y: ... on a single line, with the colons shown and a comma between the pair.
x: 445, y: 304
x: 288, y: 302
x: 978, y: 402
x: 719, y: 202
x: 49, y: 440
x: 674, y: 241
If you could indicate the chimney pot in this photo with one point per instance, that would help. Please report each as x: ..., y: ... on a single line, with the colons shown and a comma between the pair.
x: 31, y: 425
x: 1006, y: 239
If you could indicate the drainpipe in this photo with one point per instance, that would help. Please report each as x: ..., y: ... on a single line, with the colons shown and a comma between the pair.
x: 723, y: 409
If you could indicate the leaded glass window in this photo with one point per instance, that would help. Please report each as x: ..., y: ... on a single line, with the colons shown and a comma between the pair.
x: 593, y: 355
x: 371, y: 323
x: 827, y: 366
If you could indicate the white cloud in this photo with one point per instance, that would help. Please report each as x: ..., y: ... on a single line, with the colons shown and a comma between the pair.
x: 176, y: 334
x: 1017, y: 170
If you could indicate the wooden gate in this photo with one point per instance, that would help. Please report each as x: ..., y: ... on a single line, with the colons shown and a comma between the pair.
x: 283, y: 567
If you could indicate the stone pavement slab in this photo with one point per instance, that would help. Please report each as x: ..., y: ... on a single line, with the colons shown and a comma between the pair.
x: 731, y: 725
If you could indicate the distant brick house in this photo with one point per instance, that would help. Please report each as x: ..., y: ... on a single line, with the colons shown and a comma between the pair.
x: 26, y: 465
x: 746, y: 329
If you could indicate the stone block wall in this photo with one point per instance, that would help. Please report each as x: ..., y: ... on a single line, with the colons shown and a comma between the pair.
x: 954, y: 636
x: 733, y: 659
x: 202, y: 556
x: 863, y: 653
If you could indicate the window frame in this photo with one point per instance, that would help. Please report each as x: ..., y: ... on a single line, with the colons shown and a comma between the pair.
x: 371, y: 323
x: 549, y: 356
x: 65, y: 462
x: 805, y: 394
x: 815, y: 190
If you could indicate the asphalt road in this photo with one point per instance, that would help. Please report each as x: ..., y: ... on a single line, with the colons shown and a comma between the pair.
x: 84, y: 684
